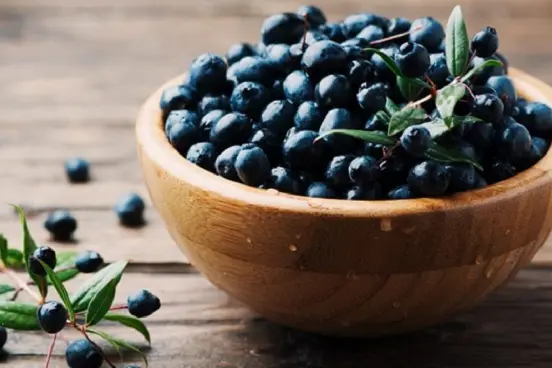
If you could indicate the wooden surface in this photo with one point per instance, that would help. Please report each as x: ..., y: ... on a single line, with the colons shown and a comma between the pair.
x: 72, y: 76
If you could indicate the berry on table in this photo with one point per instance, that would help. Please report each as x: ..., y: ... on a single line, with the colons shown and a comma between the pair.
x: 203, y: 154
x: 46, y: 255
x: 83, y: 354
x: 88, y: 262
x: 485, y: 42
x: 52, y: 317
x: 77, y: 170
x: 252, y: 165
x: 233, y: 128
x: 416, y: 140
x: 412, y: 59
x: 143, y: 304
x: 429, y: 178
x: 61, y: 224
x: 320, y: 190
x: 208, y: 73
x: 333, y: 91
x: 130, y: 210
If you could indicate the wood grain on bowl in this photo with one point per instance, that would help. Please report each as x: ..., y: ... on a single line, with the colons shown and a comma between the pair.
x: 348, y: 267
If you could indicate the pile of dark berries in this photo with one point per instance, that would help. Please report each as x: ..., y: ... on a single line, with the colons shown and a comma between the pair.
x: 366, y: 108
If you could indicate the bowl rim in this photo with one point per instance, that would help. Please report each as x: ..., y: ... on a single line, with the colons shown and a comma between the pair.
x: 153, y: 143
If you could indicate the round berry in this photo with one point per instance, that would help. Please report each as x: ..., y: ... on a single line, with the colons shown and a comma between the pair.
x: 208, y: 73
x: 177, y: 98
x: 338, y: 119
x: 314, y: 15
x: 482, y: 75
x: 270, y: 143
x: 309, y: 116
x: 429, y: 178
x: 355, y: 23
x: 499, y: 170
x: 61, y: 224
x: 208, y: 122
x: 250, y: 98
x: 354, y: 48
x: 130, y: 210
x: 314, y: 36
x: 281, y: 59
x: 462, y: 177
x: 46, y: 255
x: 398, y: 26
x: 337, y: 172
x: 488, y: 107
x: 251, y: 69
x: 300, y: 151
x: 359, y: 72
x: 428, y: 32
x: 372, y: 98
x: 298, y: 87
x: 333, y: 91
x: 282, y: 28
x: 83, y: 354
x: 363, y: 170
x: 438, y: 71
x: 412, y: 59
x: 52, y: 317
x: 541, y: 145
x: 252, y: 165
x: 363, y: 193
x: 516, y: 140
x: 323, y: 58
x: 224, y: 164
x: 320, y: 190
x: 238, y: 51
x: 143, y: 304
x: 485, y: 42
x: 180, y: 117
x: 480, y: 135
x: 400, y: 192
x: 505, y: 89
x: 77, y: 170
x: 182, y: 135
x: 3, y: 337
x: 479, y: 182
x: 371, y: 33
x: 416, y: 140
x: 284, y: 180
x: 537, y: 118
x: 334, y: 31
x: 210, y: 102
x: 88, y: 262
x: 381, y: 70
x: 278, y: 116
x: 203, y: 154
x: 233, y: 128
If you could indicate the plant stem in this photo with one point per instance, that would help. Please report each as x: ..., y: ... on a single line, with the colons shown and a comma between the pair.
x: 106, y: 358
x: 21, y: 284
x: 394, y: 37
x: 119, y: 307
x: 50, y: 351
x: 305, y: 30
x: 419, y: 102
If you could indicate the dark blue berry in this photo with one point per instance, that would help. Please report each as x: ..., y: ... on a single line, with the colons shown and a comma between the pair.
x: 238, y: 51
x: 52, y: 317
x: 462, y: 177
x: 363, y: 193
x: 381, y: 70
x: 278, y: 116
x: 338, y: 119
x: 429, y: 178
x: 354, y: 48
x: 400, y: 192
x: 540, y: 145
x: 372, y: 98
x: 355, y: 23
x: 412, y: 59
x: 297, y: 50
x: 416, y: 140
x: 516, y: 140
x: 505, y: 89
x: 183, y: 134
x: 282, y: 28
x: 284, y: 180
x: 488, y: 107
x: 203, y: 154
x: 208, y: 121
x: 483, y: 74
x: 88, y: 262
x: 333, y: 91
x: 479, y: 181
x: 298, y: 87
x: 300, y: 151
x: 314, y: 15
x: 130, y: 210
x: 438, y: 71
x: 180, y: 116
x: 373, y: 149
x: 398, y: 26
x: 371, y: 33
x: 252, y: 165
x: 61, y: 224
x: 323, y: 58
x: 224, y: 164
x: 485, y: 42
x: 359, y: 72
x: 208, y: 73
x: 363, y: 170
x: 233, y: 128
x: 537, y: 117
x: 77, y: 170
x: 270, y: 143
x: 251, y: 69
x: 177, y: 97
x: 83, y: 354
x: 334, y: 31
x: 428, y: 32
x: 281, y: 59
x: 143, y: 304
x: 375, y: 123
x: 320, y: 190
x: 250, y: 98
x: 3, y: 337
x: 499, y: 170
x: 314, y: 36
x: 46, y: 255
x: 210, y: 102
x: 480, y: 135
x: 337, y: 172
x: 309, y: 116
x: 277, y: 90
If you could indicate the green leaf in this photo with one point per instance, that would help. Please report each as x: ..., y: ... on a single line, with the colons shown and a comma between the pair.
x: 60, y: 288
x: 457, y: 48
x: 100, y: 303
x: 436, y: 128
x: 448, y: 97
x: 82, y: 297
x: 14, y: 259
x: 485, y: 64
x: 383, y: 117
x: 18, y: 316
x: 131, y: 322
x: 405, y: 118
x: 3, y: 248
x: 65, y: 263
x: 410, y: 88
x: 387, y: 60
x: 5, y: 288
x: 447, y: 155
x: 118, y: 343
x: 366, y: 135
x: 391, y: 107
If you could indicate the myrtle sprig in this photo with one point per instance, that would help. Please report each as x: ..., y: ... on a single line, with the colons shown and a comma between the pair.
x: 91, y: 304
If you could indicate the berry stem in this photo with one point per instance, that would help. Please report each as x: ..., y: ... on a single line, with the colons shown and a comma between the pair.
x: 20, y: 283
x: 394, y: 37
x: 119, y: 307
x: 419, y: 102
x: 50, y: 351
x: 306, y: 25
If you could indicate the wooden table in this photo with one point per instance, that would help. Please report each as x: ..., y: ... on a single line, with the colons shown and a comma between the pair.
x: 72, y: 75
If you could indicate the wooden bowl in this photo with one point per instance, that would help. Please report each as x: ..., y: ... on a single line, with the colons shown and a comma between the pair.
x: 348, y: 268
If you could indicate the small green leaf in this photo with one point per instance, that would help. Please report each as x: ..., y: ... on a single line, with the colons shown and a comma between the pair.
x: 446, y: 155
x: 366, y: 135
x: 383, y: 117
x: 18, y: 316
x: 391, y: 107
x: 118, y: 343
x: 14, y: 259
x: 65, y: 268
x: 485, y: 64
x: 448, y: 97
x: 387, y: 60
x: 100, y: 303
x: 131, y: 322
x: 5, y: 288
x: 405, y: 118
x: 457, y: 48
x: 3, y: 248
x: 436, y: 128
x: 410, y: 88
x: 60, y: 288
x: 82, y: 297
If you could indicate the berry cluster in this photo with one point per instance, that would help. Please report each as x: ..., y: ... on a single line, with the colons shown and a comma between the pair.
x: 265, y: 115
